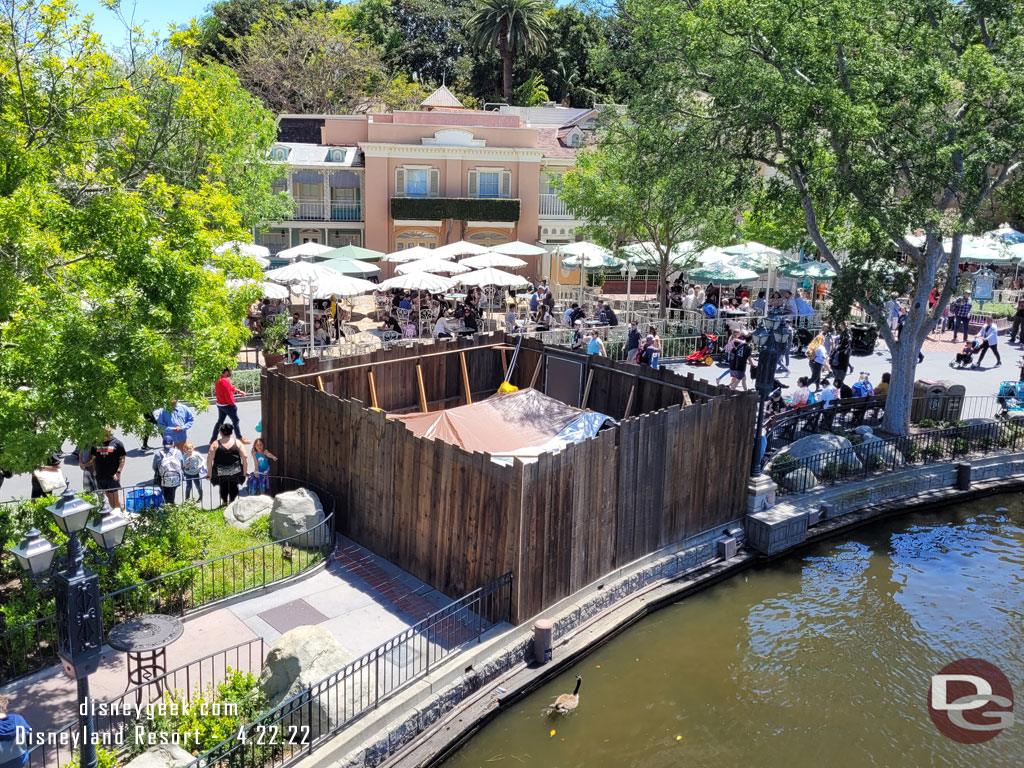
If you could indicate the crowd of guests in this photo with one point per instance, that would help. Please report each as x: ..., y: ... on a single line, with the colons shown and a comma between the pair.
x: 711, y: 301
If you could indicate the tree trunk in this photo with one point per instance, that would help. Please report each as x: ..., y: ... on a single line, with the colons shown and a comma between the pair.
x: 663, y: 285
x: 506, y: 74
x: 901, y: 389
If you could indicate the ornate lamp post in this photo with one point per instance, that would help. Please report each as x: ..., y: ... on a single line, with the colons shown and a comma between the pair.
x: 76, y: 594
x: 770, y: 344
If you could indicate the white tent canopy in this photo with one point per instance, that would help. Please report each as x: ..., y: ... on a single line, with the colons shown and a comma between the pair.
x: 302, y: 251
x: 243, y: 248
x: 437, y: 266
x: 319, y: 282
x: 461, y: 248
x: 418, y: 281
x: 414, y: 253
x: 496, y: 277
x: 268, y: 289
x: 518, y: 248
x: 492, y: 260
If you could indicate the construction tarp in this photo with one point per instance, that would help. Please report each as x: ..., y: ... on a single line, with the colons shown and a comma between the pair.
x: 525, y: 424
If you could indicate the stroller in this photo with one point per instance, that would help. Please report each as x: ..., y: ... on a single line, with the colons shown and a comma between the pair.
x: 705, y: 352
x: 801, y: 338
x: 1011, y: 397
x: 964, y: 356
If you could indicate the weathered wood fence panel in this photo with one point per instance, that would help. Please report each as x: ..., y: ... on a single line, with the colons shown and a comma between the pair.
x: 456, y: 519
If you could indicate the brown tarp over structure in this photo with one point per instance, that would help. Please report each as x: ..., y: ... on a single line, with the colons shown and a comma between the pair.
x: 502, y: 424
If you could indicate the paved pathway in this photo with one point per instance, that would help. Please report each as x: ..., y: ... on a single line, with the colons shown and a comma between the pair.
x: 361, y: 598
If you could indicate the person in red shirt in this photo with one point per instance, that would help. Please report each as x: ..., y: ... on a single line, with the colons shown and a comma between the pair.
x: 226, y: 407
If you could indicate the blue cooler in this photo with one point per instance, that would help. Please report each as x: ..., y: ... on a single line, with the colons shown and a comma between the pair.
x: 139, y: 499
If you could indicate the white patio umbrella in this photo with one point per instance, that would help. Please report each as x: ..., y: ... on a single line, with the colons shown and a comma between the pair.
x: 437, y: 266
x: 714, y: 255
x: 981, y: 250
x: 269, y: 290
x: 304, y: 250
x: 518, y: 248
x: 750, y: 249
x: 485, y: 260
x: 495, y: 277
x: 587, y: 255
x: 418, y: 281
x: 461, y: 248
x: 412, y: 254
x: 243, y: 248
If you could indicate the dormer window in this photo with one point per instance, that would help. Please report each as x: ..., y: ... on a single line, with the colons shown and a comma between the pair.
x: 336, y: 156
x: 279, y: 153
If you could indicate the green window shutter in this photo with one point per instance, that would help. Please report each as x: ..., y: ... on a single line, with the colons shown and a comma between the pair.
x: 435, y: 182
x: 399, y: 182
x: 506, y: 183
x: 473, y: 183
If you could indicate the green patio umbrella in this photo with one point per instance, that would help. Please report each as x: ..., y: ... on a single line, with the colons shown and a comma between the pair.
x: 351, y: 267
x: 814, y: 271
x: 352, y: 252
x: 721, y: 273
x: 750, y: 249
x: 763, y: 262
x: 982, y: 250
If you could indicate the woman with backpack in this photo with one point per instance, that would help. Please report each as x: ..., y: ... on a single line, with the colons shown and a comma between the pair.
x: 226, y: 463
x: 168, y: 470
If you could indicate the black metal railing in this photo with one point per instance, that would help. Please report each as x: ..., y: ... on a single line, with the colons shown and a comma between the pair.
x: 32, y: 646
x: 310, y: 718
x: 120, y: 714
x: 874, y: 456
x: 933, y: 411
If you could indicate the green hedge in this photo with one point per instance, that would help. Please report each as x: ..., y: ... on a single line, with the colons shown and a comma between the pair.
x: 458, y: 208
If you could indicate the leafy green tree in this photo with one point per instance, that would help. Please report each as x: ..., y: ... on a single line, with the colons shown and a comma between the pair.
x: 532, y: 92
x: 117, y: 177
x: 677, y: 187
x: 512, y: 28
x: 575, y: 58
x: 905, y: 116
x: 228, y: 21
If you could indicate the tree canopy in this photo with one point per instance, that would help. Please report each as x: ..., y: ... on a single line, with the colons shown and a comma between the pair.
x: 903, y: 117
x: 118, y: 174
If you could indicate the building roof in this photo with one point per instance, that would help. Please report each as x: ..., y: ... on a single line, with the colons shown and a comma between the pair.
x: 301, y: 153
x: 302, y: 129
x: 442, y: 98
x: 552, y: 115
x: 553, y: 146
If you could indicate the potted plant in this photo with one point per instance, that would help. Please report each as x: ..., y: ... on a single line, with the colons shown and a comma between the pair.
x: 275, y: 335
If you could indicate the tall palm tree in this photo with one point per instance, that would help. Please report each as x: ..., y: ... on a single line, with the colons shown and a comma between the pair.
x: 512, y: 27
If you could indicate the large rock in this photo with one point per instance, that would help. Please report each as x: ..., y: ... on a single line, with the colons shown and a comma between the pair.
x: 162, y: 756
x: 300, y: 659
x: 799, y: 480
x: 294, y: 513
x: 878, y: 454
x: 243, y: 511
x: 825, y: 443
x: 863, y: 430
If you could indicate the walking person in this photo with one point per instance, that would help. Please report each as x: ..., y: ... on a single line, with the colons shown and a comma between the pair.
x: 226, y: 407
x: 108, y: 460
x: 738, y: 363
x: 595, y: 346
x: 816, y: 360
x: 1017, y: 331
x: 14, y: 736
x: 192, y: 469
x: 175, y: 423
x: 168, y: 470
x: 962, y: 316
x: 226, y: 463
x: 783, y: 348
x: 632, y: 343
x: 840, y: 360
x: 85, y: 463
x: 654, y: 345
x: 989, y: 338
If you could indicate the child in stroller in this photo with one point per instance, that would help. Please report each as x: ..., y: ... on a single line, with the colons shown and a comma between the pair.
x: 965, y: 355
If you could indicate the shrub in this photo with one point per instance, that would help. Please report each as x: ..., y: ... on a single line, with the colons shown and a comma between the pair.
x: 929, y: 423
x: 458, y: 208
x: 875, y: 462
x: 105, y: 758
x: 932, y: 451
x: 911, y: 451
x: 782, y: 466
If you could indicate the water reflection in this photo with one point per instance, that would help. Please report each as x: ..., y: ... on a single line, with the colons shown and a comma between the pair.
x: 823, y: 658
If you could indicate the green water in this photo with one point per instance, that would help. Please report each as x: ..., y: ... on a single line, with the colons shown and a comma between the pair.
x: 823, y: 659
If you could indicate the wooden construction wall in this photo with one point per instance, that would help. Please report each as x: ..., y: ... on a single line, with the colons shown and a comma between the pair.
x: 456, y: 520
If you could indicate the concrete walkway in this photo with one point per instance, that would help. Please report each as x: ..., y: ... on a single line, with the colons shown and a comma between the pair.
x: 362, y: 599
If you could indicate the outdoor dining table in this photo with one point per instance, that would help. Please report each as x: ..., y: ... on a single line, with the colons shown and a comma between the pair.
x: 455, y: 296
x: 145, y: 639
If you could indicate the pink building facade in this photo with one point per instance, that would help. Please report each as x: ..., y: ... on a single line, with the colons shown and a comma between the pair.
x: 456, y: 174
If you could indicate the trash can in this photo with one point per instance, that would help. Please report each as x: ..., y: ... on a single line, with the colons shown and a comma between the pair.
x: 929, y: 401
x: 955, y: 394
x: 862, y: 338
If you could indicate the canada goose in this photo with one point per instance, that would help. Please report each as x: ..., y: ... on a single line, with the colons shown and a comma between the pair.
x: 568, y: 702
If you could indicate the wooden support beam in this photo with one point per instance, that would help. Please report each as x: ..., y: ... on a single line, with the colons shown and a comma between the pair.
x: 373, y: 390
x: 687, y: 401
x: 465, y: 379
x: 586, y: 390
x: 536, y: 370
x: 320, y: 383
x: 629, y: 401
x: 423, y: 391
x: 504, y: 363
x: 407, y: 359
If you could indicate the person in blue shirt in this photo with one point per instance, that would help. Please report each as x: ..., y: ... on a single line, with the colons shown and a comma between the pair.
x: 13, y: 747
x: 175, y: 423
x: 594, y: 345
x: 405, y: 303
x: 710, y: 310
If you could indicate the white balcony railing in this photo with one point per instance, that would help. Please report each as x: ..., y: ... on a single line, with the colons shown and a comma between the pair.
x: 551, y: 207
x: 310, y: 209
